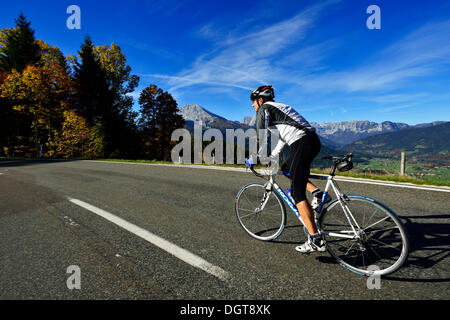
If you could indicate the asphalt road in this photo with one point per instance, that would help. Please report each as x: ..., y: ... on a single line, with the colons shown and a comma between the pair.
x: 42, y: 233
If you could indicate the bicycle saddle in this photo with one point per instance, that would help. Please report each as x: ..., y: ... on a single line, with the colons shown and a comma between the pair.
x: 342, y: 163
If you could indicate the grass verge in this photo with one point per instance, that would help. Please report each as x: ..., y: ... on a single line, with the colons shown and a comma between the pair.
x: 351, y: 174
x: 387, y: 177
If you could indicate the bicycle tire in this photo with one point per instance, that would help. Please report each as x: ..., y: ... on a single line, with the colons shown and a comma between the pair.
x: 385, y: 235
x: 267, y: 224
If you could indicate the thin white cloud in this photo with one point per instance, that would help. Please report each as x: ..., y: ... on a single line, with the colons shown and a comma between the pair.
x: 208, y: 31
x: 397, y: 97
x: 310, y: 58
x: 398, y: 107
x: 419, y: 54
x: 245, y: 60
x: 158, y: 51
x: 275, y: 55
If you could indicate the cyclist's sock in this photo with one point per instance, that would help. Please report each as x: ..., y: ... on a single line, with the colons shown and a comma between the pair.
x: 316, y: 239
x: 318, y: 194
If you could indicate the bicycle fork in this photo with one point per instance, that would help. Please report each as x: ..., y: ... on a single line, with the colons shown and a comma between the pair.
x: 268, y: 189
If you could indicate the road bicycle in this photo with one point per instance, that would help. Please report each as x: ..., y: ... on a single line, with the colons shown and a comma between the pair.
x: 361, y: 233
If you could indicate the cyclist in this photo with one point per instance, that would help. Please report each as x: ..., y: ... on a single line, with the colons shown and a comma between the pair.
x: 305, y: 145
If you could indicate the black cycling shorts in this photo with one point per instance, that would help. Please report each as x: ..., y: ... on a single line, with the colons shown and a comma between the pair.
x: 303, y: 152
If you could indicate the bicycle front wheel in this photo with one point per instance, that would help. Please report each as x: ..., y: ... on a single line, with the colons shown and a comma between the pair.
x: 364, y: 236
x: 260, y: 212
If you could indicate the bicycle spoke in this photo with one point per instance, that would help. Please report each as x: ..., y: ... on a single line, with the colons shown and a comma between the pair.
x: 373, y: 224
x: 377, y: 242
x: 248, y: 200
x: 242, y: 209
x: 248, y: 215
x: 388, y: 245
x: 374, y: 212
x: 371, y: 248
x: 381, y: 258
x: 350, y: 248
x: 265, y: 224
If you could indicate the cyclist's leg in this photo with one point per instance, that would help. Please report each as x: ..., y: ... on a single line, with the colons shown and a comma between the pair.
x: 311, y: 187
x: 286, y: 167
x: 304, y: 151
x: 307, y: 215
x: 315, y: 141
x: 300, y: 173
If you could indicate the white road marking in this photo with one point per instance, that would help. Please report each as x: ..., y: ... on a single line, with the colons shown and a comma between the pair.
x: 393, y: 184
x: 356, y: 180
x: 167, y: 246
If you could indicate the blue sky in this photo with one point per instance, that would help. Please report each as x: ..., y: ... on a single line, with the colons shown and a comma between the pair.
x: 319, y: 55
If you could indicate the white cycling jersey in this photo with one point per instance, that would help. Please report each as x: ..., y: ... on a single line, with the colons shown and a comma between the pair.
x: 290, y: 125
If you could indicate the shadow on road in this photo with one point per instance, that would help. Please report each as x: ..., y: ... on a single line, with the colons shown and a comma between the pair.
x: 428, y: 259
x: 429, y: 253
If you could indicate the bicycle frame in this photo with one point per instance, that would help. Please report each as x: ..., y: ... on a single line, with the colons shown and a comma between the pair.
x: 339, y: 222
x: 341, y: 197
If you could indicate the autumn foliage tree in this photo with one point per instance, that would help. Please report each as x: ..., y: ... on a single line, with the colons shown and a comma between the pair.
x: 6, y: 120
x: 77, y: 106
x: 39, y: 94
x: 18, y: 49
x: 74, y: 140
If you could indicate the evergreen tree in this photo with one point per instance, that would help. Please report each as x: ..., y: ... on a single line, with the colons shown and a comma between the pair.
x: 119, y: 119
x: 19, y: 47
x: 91, y: 98
x: 159, y: 118
x: 103, y: 81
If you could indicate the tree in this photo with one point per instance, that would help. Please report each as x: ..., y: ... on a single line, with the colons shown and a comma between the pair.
x: 7, y: 120
x: 39, y: 94
x: 103, y: 81
x: 159, y: 118
x: 74, y: 139
x: 120, y: 118
x: 18, y: 47
x: 52, y: 54
x: 91, y: 99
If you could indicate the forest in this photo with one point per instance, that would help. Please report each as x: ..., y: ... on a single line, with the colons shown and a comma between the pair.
x: 77, y: 107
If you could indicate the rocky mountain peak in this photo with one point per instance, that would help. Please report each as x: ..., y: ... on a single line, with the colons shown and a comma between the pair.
x: 194, y: 112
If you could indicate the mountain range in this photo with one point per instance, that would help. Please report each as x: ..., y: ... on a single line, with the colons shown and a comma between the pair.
x: 193, y: 112
x: 334, y: 135
x: 421, y: 144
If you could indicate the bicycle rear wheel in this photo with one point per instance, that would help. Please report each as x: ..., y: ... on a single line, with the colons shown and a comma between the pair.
x: 260, y: 212
x: 369, y: 240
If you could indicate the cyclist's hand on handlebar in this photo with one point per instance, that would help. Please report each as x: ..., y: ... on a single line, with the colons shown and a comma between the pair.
x: 268, y: 161
x: 265, y: 160
x: 250, y: 162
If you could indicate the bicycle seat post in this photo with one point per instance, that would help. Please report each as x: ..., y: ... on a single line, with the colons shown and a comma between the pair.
x: 333, y: 170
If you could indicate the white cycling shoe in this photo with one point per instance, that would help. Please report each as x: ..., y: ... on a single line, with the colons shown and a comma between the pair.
x: 312, y: 246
